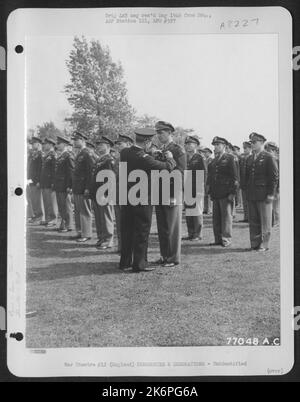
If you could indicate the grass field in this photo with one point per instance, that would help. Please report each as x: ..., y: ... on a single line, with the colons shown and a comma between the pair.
x: 82, y: 299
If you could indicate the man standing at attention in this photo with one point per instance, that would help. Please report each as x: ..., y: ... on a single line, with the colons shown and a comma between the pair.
x: 47, y: 183
x: 81, y: 184
x: 169, y: 216
x: 194, y: 213
x: 262, y: 181
x: 63, y: 184
x: 222, y: 183
x: 34, y: 177
x: 104, y: 214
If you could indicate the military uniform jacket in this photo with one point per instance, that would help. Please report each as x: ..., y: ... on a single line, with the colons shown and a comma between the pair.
x: 181, y: 163
x: 261, y: 176
x: 222, y: 177
x: 243, y: 162
x: 63, y: 172
x: 48, y: 170
x: 35, y: 166
x: 82, y: 174
x: 137, y: 158
x: 105, y: 162
x: 196, y: 162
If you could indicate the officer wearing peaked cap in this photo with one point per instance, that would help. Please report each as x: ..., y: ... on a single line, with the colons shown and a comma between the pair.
x: 63, y: 183
x: 104, y: 217
x: 194, y: 213
x: 261, y: 182
x: 136, y: 219
x: 222, y: 184
x: 47, y: 182
x: 35, y: 161
x: 81, y: 184
x: 169, y: 216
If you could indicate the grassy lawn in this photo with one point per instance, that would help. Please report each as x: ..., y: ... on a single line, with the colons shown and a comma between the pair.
x: 82, y: 299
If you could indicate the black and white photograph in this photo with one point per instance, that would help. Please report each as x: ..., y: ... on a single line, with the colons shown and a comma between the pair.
x: 154, y: 158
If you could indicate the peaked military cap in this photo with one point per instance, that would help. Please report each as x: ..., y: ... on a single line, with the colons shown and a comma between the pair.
x: 124, y: 138
x: 36, y: 139
x: 257, y: 137
x: 162, y: 125
x: 236, y: 147
x: 207, y: 150
x: 79, y: 135
x: 219, y: 140
x: 193, y: 139
x: 104, y: 140
x: 64, y: 140
x: 272, y: 145
x: 146, y: 132
x: 247, y: 144
x: 90, y: 144
x: 48, y: 140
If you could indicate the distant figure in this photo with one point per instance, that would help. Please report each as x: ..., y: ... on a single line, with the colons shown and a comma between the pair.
x: 274, y: 151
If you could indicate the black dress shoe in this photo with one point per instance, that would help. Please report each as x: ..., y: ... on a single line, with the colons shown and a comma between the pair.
x: 215, y: 244
x: 83, y: 239
x: 170, y: 264
x: 187, y: 238
x: 262, y: 249
x: 76, y: 237
x: 124, y: 268
x: 225, y: 245
x: 160, y: 261
x: 146, y: 269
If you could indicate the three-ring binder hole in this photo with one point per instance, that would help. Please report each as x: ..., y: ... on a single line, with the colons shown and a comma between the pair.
x: 19, y: 49
x: 18, y: 336
x: 19, y: 191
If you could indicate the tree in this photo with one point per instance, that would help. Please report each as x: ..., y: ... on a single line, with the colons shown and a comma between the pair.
x: 48, y: 129
x: 97, y: 91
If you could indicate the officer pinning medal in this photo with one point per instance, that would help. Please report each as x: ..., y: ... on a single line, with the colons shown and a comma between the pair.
x: 110, y: 191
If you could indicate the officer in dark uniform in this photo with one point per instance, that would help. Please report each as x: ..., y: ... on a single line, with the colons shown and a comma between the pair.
x: 262, y: 181
x: 136, y: 219
x: 122, y: 142
x: 273, y: 149
x: 243, y: 160
x: 63, y: 184
x: 47, y: 183
x: 104, y: 214
x: 169, y: 217
x: 222, y: 183
x: 194, y: 213
x: 81, y: 185
x: 34, y: 177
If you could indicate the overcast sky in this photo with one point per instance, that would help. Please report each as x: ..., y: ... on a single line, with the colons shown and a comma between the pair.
x: 225, y: 85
